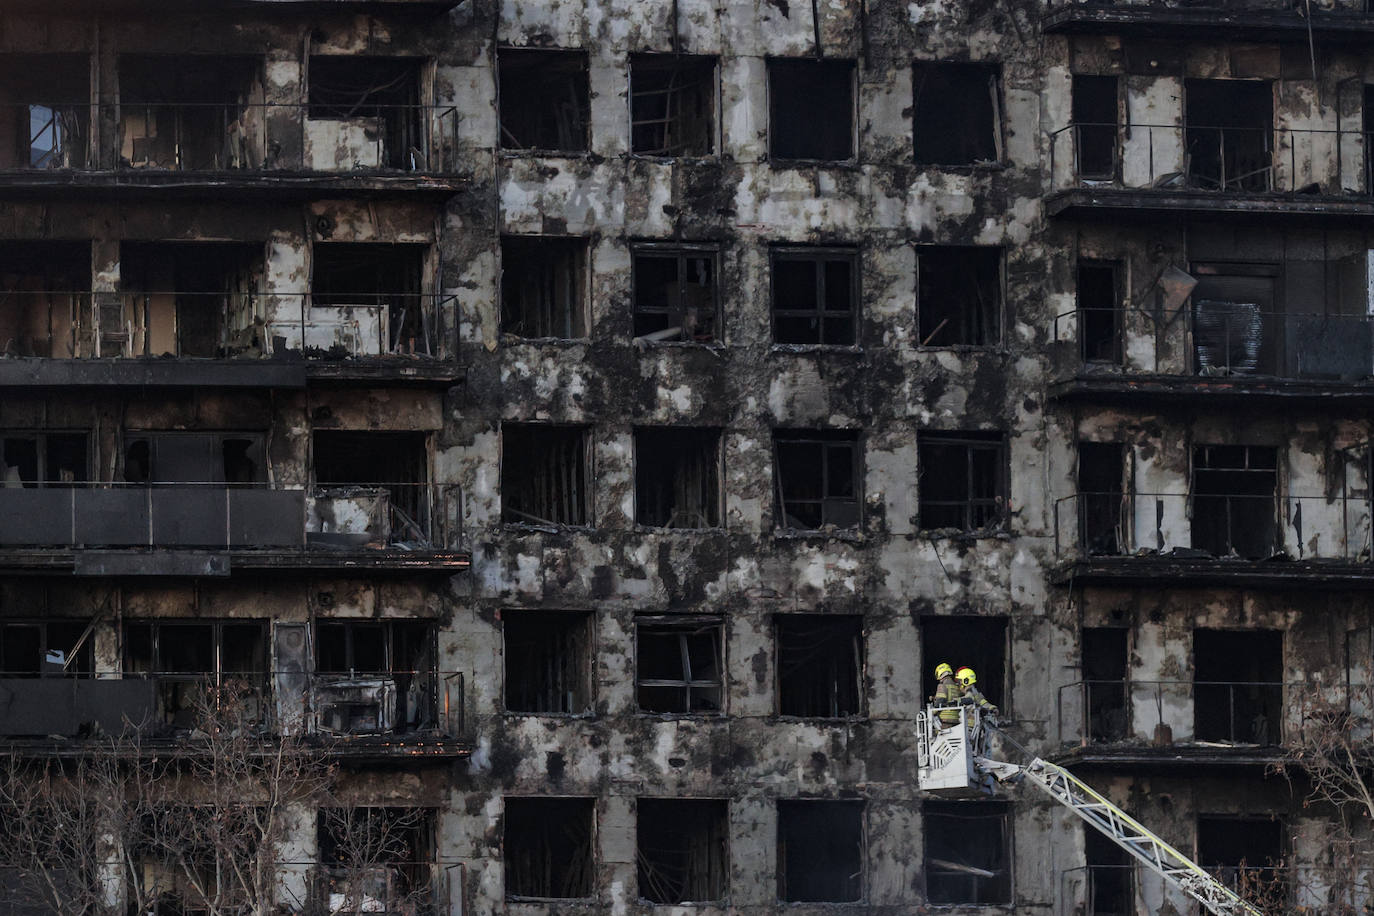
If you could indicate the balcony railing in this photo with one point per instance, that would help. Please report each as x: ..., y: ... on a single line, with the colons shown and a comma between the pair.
x: 1219, y: 525
x: 1130, y: 890
x: 1211, y: 158
x: 391, y: 704
x: 402, y: 516
x: 215, y: 137
x: 227, y: 325
x: 1102, y: 713
x: 1223, y: 339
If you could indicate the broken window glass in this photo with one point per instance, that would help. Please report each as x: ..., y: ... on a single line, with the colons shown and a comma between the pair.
x: 545, y: 477
x: 815, y: 296
x: 1235, y: 500
x: 677, y: 477
x: 963, y: 480
x: 820, y: 665
x: 811, y: 109
x: 52, y: 648
x: 678, y: 665
x: 46, y: 101
x: 364, y: 112
x: 968, y: 852
x: 957, y: 114
x: 672, y: 105
x: 675, y: 293
x: 818, y: 478
x: 543, y: 287
x: 544, y: 100
x: 547, y: 662
x: 681, y: 849
x: 959, y: 295
x: 547, y: 847
x: 820, y: 851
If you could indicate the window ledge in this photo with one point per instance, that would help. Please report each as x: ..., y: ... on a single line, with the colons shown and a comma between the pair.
x: 530, y: 528
x: 671, y: 160
x: 685, y: 716
x: 549, y: 154
x: 566, y: 716
x: 861, y: 719
x: 996, y: 349
x: 657, y: 529
x: 514, y: 340
x: 850, y: 535
x: 641, y: 343
x: 847, y: 165
x: 816, y: 348
x: 821, y: 904
x: 970, y: 168
x: 956, y: 534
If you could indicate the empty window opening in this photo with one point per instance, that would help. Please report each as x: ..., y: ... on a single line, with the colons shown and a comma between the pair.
x: 1246, y: 853
x: 45, y: 303
x: 545, y: 100
x: 962, y: 481
x: 968, y: 852
x: 681, y: 849
x: 375, y: 676
x: 820, y: 661
x: 545, y: 474
x: 1236, y: 326
x: 365, y: 112
x: 374, y: 859
x: 677, y: 477
x: 543, y: 287
x: 815, y: 296
x: 1367, y: 117
x: 678, y: 665
x: 818, y: 478
x: 383, y: 475
x: 46, y: 649
x: 191, y: 299
x: 1235, y: 493
x: 672, y: 105
x: 1104, y: 677
x: 1101, y: 490
x: 1238, y: 686
x: 957, y: 114
x: 811, y: 109
x: 190, y: 111
x: 1099, y: 311
x: 1111, y: 876
x: 186, y: 657
x: 365, y: 300
x: 547, y: 848
x: 675, y: 293
x: 979, y: 643
x: 1229, y: 133
x: 820, y: 851
x: 194, y: 458
x: 959, y: 295
x: 1095, y: 126
x: 180, y: 856
x: 548, y: 661
x: 46, y: 102
x: 43, y: 459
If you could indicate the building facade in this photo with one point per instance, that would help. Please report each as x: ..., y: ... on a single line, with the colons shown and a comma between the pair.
x: 597, y: 419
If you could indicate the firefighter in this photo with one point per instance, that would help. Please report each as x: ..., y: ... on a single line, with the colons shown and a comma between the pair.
x: 969, y: 694
x: 948, y: 695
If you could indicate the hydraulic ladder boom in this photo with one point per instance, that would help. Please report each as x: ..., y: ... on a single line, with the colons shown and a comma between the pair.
x: 1126, y: 831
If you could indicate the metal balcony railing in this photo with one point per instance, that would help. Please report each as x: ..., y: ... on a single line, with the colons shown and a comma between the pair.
x: 1211, y: 158
x: 223, y: 325
x: 1213, y: 338
x: 164, y: 704
x: 248, y: 137
x: 73, y: 514
x: 1130, y: 890
x: 1244, y: 526
x: 1250, y: 713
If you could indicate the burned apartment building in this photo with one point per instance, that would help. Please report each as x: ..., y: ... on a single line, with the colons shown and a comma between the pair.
x: 592, y: 422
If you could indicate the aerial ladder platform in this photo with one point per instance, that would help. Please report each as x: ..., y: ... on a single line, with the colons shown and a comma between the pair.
x: 953, y: 762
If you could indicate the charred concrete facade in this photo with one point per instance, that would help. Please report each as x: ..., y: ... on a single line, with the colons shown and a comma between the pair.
x: 601, y: 417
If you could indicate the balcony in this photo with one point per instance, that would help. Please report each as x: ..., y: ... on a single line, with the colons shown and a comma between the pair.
x: 1145, y: 171
x: 213, y: 529
x: 358, y: 714
x: 1241, y: 538
x: 269, y: 147
x: 1123, y: 889
x: 1215, y: 350
x: 1338, y: 22
x: 226, y: 339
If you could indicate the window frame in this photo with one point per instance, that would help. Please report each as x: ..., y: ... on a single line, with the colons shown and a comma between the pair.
x: 682, y: 253
x: 683, y: 626
x: 855, y: 440
x: 41, y: 449
x: 858, y: 645
x: 83, y: 652
x: 818, y: 256
x: 669, y: 62
x: 999, y: 311
x: 865, y: 866
x: 1000, y: 503
x: 587, y: 480
x: 1008, y: 849
x: 583, y: 620
x: 853, y: 77
x: 999, y: 115
x: 580, y: 246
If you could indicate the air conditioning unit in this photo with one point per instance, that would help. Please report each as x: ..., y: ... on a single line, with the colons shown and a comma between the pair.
x: 348, y: 705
